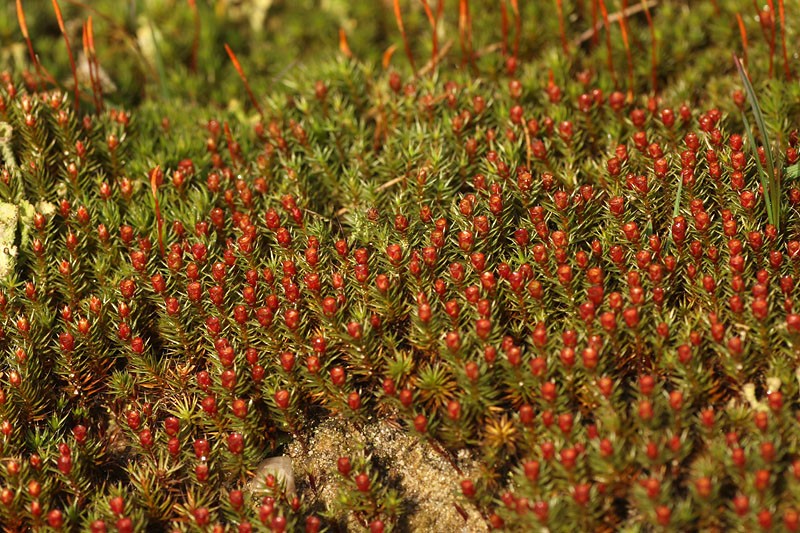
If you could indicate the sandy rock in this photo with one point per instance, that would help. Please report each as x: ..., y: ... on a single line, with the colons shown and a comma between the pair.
x: 425, y: 479
x: 280, y: 467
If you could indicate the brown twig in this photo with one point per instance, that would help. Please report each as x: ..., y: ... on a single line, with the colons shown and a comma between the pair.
x: 63, y: 29
x: 430, y: 65
x: 242, y: 75
x: 382, y: 187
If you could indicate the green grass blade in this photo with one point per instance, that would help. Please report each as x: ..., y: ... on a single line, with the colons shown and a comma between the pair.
x: 774, y: 182
x: 677, y: 209
x: 761, y: 173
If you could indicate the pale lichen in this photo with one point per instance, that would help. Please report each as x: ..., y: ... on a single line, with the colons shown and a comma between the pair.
x: 9, y: 218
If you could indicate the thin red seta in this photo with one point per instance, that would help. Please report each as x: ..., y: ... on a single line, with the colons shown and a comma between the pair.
x: 609, y: 52
x: 517, y: 26
x: 595, y: 38
x: 94, y: 65
x: 503, y: 28
x: 768, y: 29
x: 159, y: 219
x: 406, y: 45
x: 23, y: 26
x: 465, y: 31
x: 743, y: 34
x: 653, y: 47
x: 242, y: 75
x: 433, y: 20
x: 231, y: 143
x: 716, y: 6
x: 196, y: 39
x: 63, y: 29
x: 344, y: 48
x: 439, y: 11
x: 561, y: 26
x: 786, y: 67
x: 387, y: 56
x: 85, y: 42
x: 623, y: 24
x: 772, y: 37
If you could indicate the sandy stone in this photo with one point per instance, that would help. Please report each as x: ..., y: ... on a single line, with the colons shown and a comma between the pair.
x: 280, y: 467
x: 426, y: 480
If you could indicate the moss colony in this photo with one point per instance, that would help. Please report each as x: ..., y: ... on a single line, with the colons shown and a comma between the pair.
x: 524, y: 276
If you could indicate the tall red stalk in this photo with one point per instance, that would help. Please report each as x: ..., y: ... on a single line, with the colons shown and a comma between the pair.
x: 406, y: 45
x: 433, y: 20
x: 465, y: 31
x: 503, y: 28
x: 517, y: 26
x: 561, y: 26
x: 63, y: 30
x: 786, y: 68
x: 23, y: 26
x: 653, y: 47
x: 242, y: 75
x: 623, y: 24
x: 344, y: 48
x: 159, y: 219
x: 196, y: 39
x: 606, y: 25
x: 743, y: 34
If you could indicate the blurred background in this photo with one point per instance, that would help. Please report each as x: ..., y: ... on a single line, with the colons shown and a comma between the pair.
x: 148, y: 48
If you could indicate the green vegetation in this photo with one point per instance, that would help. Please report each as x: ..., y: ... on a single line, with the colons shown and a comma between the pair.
x: 567, y: 254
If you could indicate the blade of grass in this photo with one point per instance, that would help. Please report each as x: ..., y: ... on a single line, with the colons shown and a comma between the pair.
x: 761, y: 174
x: 677, y: 208
x: 773, y: 178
